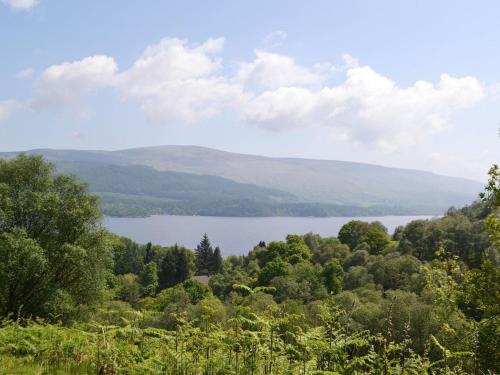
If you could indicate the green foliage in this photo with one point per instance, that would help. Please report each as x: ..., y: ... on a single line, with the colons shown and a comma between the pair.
x: 396, y: 271
x: 176, y: 266
x: 217, y: 261
x: 196, y: 290
x: 123, y: 192
x: 376, y: 238
x: 356, y: 232
x: 128, y: 256
x: 491, y: 195
x: 456, y: 232
x: 208, y: 260
x: 351, y: 233
x: 296, y: 249
x: 275, y: 268
x: 51, y: 247
x: 149, y: 279
x: 422, y: 302
x: 333, y: 276
x: 129, y: 289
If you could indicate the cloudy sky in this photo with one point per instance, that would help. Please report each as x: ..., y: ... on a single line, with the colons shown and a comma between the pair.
x: 404, y: 84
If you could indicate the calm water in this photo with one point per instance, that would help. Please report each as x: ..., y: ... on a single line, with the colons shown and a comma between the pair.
x: 233, y: 235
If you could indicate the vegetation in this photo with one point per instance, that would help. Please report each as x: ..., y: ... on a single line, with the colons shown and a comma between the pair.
x: 75, y: 299
x: 123, y: 192
x: 190, y: 180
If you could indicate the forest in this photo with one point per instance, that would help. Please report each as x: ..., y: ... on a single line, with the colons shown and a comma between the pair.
x: 76, y: 299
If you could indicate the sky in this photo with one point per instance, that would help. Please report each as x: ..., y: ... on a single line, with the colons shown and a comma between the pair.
x: 402, y: 84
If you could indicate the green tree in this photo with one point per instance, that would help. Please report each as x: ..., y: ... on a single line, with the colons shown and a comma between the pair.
x: 413, y: 237
x: 128, y: 256
x: 23, y: 269
x: 491, y: 195
x: 149, y: 279
x: 296, y: 250
x: 176, y: 266
x: 51, y: 244
x: 351, y: 233
x: 196, y: 290
x: 204, y: 256
x: 217, y: 261
x: 329, y: 249
x: 376, y: 238
x: 492, y: 198
x: 129, y: 289
x: 357, y: 277
x: 333, y: 276
x: 275, y: 268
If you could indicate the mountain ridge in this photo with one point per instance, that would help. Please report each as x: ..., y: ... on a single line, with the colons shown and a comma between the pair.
x: 311, y: 181
x: 288, y: 158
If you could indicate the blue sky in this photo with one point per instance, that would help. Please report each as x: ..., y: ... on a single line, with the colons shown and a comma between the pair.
x: 404, y: 84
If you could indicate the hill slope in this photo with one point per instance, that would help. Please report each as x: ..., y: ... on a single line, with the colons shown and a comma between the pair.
x: 331, y: 183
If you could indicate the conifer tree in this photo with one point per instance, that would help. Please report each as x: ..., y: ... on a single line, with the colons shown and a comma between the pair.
x: 177, y: 266
x: 148, y: 253
x: 149, y: 279
x: 216, y: 261
x: 204, y: 256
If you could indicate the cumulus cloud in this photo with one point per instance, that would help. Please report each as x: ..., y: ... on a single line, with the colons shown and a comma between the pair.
x: 180, y: 81
x: 21, y: 5
x: 176, y: 80
x: 272, y: 71
x: 65, y: 83
x: 367, y: 107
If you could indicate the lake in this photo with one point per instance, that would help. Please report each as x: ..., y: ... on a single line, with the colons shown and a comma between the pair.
x: 234, y: 235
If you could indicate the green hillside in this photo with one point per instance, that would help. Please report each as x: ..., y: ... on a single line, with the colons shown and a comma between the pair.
x: 202, y: 181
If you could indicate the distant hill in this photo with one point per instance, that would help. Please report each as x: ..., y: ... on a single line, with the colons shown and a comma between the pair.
x: 203, y: 181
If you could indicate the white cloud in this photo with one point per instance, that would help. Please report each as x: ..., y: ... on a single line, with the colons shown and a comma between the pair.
x: 272, y: 71
x: 7, y: 107
x: 25, y: 74
x: 175, y: 80
x: 274, y: 39
x: 21, y: 5
x: 367, y: 107
x: 179, y: 81
x: 171, y: 80
x: 65, y: 83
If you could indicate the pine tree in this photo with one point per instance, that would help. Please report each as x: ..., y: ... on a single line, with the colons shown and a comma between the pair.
x: 177, y: 266
x: 216, y: 261
x: 204, y: 256
x: 148, y: 253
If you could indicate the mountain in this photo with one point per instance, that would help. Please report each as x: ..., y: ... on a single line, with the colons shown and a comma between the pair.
x: 198, y: 180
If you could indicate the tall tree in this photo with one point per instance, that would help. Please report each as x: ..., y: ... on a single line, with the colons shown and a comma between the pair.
x: 52, y: 249
x: 204, y: 256
x: 216, y: 261
x: 149, y: 279
x: 149, y: 253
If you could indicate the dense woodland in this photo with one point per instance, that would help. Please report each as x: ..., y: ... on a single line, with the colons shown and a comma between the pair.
x: 142, y: 191
x: 75, y: 299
